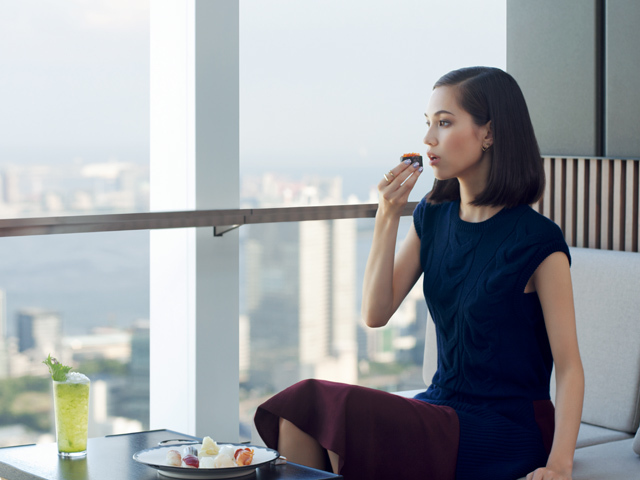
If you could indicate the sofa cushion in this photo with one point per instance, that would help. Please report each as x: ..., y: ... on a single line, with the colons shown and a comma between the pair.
x: 610, y: 461
x: 594, y: 435
x: 605, y: 285
x: 613, y: 461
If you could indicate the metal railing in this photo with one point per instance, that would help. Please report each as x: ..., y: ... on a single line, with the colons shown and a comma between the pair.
x: 594, y: 200
x: 222, y: 221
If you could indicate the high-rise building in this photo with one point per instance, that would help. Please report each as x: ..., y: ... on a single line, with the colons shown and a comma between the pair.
x: 138, y: 394
x: 301, y: 302
x: 39, y: 329
x: 3, y: 315
x: 4, y: 347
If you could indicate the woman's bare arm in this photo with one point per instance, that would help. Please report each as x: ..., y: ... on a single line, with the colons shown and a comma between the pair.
x: 552, y: 281
x: 389, y: 278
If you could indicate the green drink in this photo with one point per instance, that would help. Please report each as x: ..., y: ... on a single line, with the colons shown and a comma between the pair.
x: 71, y: 402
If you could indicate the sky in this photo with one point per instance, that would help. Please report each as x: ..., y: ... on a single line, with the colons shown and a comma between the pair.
x: 327, y: 86
x: 74, y: 79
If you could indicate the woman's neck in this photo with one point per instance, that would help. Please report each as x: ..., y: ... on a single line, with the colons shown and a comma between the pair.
x: 474, y: 213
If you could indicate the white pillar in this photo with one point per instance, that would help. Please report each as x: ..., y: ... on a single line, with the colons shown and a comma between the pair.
x: 194, y: 165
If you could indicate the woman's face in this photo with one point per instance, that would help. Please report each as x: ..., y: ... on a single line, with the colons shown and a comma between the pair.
x: 454, y: 140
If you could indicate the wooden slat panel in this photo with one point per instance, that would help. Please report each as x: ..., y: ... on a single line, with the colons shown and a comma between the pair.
x: 574, y: 201
x: 628, y: 208
x: 609, y: 229
x: 595, y: 201
x: 635, y: 206
x: 561, y: 193
x: 619, y: 203
x: 582, y: 204
x: 595, y: 192
x: 547, y: 196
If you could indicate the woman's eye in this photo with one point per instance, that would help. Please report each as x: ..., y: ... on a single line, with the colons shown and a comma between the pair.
x: 444, y: 123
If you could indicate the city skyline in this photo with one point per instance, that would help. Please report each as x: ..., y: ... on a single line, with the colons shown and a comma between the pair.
x: 322, y: 336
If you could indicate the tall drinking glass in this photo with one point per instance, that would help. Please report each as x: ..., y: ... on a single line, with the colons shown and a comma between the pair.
x: 71, y: 403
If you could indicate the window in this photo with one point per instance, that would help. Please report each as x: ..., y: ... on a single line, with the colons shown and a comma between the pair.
x: 331, y: 95
x: 75, y: 123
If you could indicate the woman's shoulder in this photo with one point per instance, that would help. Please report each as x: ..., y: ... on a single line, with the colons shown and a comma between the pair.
x: 425, y: 212
x: 537, y: 222
x: 536, y: 229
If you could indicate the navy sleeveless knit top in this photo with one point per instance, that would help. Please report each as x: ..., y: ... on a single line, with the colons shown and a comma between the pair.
x: 491, y: 336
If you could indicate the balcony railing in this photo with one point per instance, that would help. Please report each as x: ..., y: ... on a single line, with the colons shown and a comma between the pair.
x: 593, y: 199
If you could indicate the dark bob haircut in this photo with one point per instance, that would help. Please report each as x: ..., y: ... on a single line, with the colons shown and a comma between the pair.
x: 516, y: 174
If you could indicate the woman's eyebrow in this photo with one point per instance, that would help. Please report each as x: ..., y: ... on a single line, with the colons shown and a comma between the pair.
x: 440, y: 112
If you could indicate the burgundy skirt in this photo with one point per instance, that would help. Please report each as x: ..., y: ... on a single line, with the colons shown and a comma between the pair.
x: 377, y: 435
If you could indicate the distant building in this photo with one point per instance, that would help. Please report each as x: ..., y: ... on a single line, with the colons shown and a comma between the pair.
x: 138, y: 395
x: 102, y: 344
x: 39, y: 329
x: 4, y: 358
x: 301, y: 302
x: 4, y: 346
x: 300, y: 289
x: 3, y: 314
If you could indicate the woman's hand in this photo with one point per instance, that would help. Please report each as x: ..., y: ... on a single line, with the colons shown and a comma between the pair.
x: 548, y: 474
x: 396, y: 185
x: 387, y: 277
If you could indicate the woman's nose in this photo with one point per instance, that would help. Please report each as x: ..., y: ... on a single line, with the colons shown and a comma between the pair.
x: 429, y: 138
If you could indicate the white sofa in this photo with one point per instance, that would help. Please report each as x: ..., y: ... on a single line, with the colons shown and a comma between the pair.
x: 606, y: 288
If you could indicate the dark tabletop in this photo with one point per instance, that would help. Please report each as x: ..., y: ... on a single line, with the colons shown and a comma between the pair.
x: 110, y: 458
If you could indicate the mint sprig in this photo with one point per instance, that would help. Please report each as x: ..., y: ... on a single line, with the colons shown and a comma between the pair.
x: 56, y: 369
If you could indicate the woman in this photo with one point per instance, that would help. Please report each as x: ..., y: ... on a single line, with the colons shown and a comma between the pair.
x: 497, y: 284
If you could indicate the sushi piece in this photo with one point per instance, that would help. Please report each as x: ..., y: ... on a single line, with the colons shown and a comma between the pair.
x: 173, y: 458
x: 189, y: 450
x: 414, y: 157
x: 228, y: 450
x: 207, y: 462
x: 244, y: 456
x: 191, y: 461
x: 223, y: 461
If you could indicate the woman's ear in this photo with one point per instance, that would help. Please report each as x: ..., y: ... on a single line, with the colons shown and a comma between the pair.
x: 488, y: 134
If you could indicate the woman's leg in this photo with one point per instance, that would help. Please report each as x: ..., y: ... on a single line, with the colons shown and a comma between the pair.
x: 302, y: 448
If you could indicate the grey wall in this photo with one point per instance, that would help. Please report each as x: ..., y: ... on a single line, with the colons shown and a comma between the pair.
x: 622, y: 78
x: 551, y: 52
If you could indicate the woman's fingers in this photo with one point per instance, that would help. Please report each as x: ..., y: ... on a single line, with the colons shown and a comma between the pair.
x: 397, y: 176
x: 396, y: 185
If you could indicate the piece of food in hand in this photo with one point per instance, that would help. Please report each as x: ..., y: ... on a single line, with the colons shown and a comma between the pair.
x: 191, y: 461
x: 223, y: 461
x: 414, y: 157
x: 209, y: 448
x: 244, y: 456
x: 174, y: 459
x: 56, y: 369
x: 207, y: 462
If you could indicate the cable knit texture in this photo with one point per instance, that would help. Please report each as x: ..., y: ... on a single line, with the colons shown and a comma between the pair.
x: 494, y: 358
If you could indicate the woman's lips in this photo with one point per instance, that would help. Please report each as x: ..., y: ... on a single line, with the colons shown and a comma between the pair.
x: 433, y: 160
